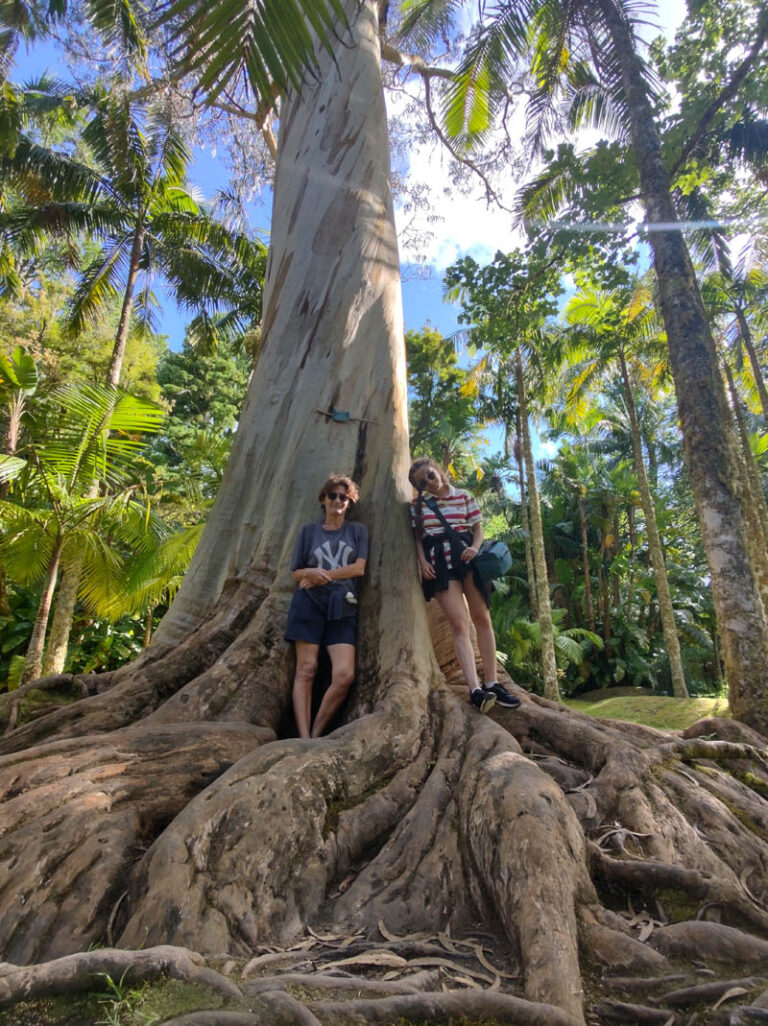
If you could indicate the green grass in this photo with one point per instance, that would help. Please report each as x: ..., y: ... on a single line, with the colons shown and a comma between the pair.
x: 652, y: 710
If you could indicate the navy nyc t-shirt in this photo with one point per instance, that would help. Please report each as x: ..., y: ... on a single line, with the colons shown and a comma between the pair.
x: 317, y: 546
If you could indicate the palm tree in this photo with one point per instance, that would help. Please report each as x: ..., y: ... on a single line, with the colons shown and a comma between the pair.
x: 592, y: 44
x: 93, y: 435
x: 137, y: 201
x: 740, y: 295
x: 620, y: 330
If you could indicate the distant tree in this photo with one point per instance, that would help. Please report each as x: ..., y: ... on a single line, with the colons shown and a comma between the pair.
x: 52, y: 517
x: 441, y: 410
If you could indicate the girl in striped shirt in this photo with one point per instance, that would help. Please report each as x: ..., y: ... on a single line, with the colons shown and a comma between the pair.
x: 445, y: 562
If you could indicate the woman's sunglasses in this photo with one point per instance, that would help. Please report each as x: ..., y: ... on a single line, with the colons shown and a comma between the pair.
x: 333, y: 496
x: 431, y: 475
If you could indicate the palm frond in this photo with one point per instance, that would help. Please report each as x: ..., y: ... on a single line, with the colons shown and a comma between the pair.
x: 271, y: 44
x: 10, y: 468
x: 121, y: 22
x: 99, y: 284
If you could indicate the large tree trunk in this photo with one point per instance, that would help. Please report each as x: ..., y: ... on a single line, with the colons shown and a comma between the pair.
x: 666, y: 612
x: 705, y: 422
x: 175, y: 807
x: 548, y: 660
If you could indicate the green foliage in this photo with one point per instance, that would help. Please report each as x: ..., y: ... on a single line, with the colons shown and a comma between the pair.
x: 441, y: 409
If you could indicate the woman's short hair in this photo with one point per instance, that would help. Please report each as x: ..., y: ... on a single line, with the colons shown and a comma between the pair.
x: 340, y: 481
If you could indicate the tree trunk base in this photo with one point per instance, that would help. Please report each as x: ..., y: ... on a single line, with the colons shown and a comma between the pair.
x: 528, y: 858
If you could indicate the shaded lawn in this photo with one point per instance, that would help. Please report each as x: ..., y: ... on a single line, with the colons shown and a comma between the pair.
x: 653, y: 710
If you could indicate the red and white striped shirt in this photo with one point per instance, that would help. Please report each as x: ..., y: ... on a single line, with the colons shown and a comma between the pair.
x: 459, y: 508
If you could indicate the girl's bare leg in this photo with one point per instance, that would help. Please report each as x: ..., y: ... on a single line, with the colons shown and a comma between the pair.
x: 481, y: 618
x: 453, y: 605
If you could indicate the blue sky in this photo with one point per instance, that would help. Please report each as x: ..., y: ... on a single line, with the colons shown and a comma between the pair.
x: 460, y: 223
x: 422, y: 298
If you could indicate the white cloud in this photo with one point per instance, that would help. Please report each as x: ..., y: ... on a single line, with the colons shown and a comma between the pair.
x: 463, y: 224
x: 460, y: 224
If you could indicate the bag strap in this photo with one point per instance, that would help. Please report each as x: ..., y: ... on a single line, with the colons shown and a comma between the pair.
x: 433, y: 505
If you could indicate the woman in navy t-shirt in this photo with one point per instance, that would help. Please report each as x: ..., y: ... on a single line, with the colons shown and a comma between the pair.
x: 328, y: 557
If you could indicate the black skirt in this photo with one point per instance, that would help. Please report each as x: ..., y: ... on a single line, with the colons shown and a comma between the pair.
x: 458, y: 569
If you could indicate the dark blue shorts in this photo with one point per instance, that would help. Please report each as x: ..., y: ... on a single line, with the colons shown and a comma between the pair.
x: 307, y: 622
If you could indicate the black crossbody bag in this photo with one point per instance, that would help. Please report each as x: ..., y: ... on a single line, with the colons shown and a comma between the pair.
x: 493, y: 558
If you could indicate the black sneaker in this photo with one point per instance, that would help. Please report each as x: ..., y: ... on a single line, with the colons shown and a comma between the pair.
x: 502, y: 696
x: 481, y: 699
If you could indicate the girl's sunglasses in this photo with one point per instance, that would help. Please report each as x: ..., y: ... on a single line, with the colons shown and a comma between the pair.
x: 333, y: 496
x: 431, y: 475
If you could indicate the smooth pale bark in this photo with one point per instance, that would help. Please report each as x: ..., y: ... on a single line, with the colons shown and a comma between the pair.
x: 332, y: 340
x: 34, y: 656
x: 548, y: 660
x: 704, y: 417
x: 663, y: 597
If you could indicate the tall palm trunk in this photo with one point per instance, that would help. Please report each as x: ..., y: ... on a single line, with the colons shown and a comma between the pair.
x: 757, y: 371
x: 666, y: 612
x: 589, y: 605
x: 529, y: 569
x: 66, y: 597
x: 34, y: 657
x: 15, y: 410
x: 63, y: 615
x: 548, y: 661
x: 704, y: 416
x: 755, y: 506
x: 121, y: 338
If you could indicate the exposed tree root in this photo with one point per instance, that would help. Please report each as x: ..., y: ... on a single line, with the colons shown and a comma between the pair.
x: 216, y: 1019
x: 86, y: 971
x: 706, y: 992
x: 324, y: 981
x: 445, y: 1007
x: 385, y: 848
x: 78, y: 814
x: 138, y: 689
x: 621, y: 1011
x: 289, y: 1009
x: 10, y: 701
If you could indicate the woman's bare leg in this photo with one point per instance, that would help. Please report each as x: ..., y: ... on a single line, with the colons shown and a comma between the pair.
x: 306, y: 668
x: 453, y: 605
x: 342, y: 675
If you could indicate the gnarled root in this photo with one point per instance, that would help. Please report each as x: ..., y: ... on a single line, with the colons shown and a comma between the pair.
x: 573, y: 841
x: 79, y: 813
x: 86, y: 971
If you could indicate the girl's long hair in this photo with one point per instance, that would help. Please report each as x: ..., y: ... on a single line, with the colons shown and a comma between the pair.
x: 416, y: 466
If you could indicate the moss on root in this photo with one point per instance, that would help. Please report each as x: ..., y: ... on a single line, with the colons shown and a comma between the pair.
x: 137, y: 1006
